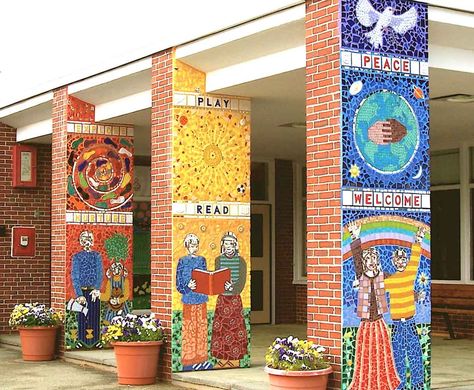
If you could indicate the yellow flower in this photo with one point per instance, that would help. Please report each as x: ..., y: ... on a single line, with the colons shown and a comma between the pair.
x: 354, y: 171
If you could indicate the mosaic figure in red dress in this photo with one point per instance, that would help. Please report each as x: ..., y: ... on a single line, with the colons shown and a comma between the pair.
x: 229, y: 334
x: 374, y: 363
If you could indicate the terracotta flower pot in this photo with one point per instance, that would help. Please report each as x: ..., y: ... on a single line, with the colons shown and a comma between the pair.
x: 294, y: 380
x: 137, y: 361
x: 38, y: 342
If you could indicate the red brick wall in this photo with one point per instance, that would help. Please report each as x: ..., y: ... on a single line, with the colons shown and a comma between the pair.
x: 301, y: 302
x: 28, y: 279
x: 454, y: 296
x: 58, y: 197
x: 285, y: 298
x: 161, y: 197
x: 323, y: 137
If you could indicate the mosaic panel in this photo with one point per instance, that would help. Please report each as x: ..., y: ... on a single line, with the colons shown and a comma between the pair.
x: 211, y: 244
x: 392, y: 27
x: 385, y: 130
x: 211, y: 231
x: 141, y: 255
x: 98, y: 280
x: 211, y: 155
x: 100, y: 171
x: 385, y: 196
x: 99, y: 230
x: 188, y: 79
x: 79, y: 110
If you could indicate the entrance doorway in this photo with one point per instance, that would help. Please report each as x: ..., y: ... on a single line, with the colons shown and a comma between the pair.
x: 260, y: 274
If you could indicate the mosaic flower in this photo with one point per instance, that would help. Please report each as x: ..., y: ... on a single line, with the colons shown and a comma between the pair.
x: 423, y: 279
x: 354, y: 171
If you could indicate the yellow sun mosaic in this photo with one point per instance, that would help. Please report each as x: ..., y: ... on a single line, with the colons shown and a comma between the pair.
x: 210, y: 232
x: 211, y: 155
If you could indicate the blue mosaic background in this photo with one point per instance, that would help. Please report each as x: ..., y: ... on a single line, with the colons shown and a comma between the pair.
x: 412, y: 44
x: 373, y: 82
x: 385, y: 145
x: 423, y: 308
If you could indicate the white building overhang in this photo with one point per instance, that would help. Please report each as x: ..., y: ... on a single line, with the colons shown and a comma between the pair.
x: 265, y: 47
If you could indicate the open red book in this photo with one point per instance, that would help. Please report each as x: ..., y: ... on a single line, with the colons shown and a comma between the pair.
x: 211, y: 282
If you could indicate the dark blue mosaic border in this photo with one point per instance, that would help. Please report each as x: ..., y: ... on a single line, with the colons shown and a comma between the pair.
x: 412, y: 44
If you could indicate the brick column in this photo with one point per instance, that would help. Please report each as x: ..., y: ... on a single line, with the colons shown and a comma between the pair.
x: 161, y: 197
x: 323, y: 137
x: 58, y: 199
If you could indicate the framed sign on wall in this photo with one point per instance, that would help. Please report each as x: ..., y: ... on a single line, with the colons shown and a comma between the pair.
x: 24, y: 166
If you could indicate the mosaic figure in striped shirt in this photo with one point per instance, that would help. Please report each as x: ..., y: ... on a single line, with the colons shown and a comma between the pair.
x: 229, y: 334
x: 401, y: 287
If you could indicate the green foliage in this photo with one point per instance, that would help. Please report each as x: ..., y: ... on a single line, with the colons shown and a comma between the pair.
x: 116, y: 247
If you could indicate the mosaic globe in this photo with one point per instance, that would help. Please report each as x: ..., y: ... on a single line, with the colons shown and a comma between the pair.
x: 386, y: 132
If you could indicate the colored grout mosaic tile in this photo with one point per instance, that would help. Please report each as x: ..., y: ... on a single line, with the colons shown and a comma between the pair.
x: 99, y: 231
x: 388, y: 27
x: 100, y: 171
x: 211, y: 228
x: 99, y: 276
x: 385, y: 196
x: 78, y: 110
x: 211, y: 155
x: 385, y: 131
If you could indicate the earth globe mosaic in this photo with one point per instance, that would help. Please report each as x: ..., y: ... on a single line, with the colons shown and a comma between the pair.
x: 386, y: 131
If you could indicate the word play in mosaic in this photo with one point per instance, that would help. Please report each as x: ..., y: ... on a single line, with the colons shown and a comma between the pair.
x: 211, y: 228
x: 99, y: 233
x: 385, y: 196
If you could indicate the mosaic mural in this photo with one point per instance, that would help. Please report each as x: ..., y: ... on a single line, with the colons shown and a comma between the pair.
x: 141, y: 254
x: 79, y: 110
x: 100, y: 172
x: 99, y: 231
x: 385, y: 196
x: 211, y: 228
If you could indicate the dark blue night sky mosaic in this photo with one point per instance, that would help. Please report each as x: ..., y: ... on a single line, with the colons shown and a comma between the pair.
x: 415, y: 175
x: 413, y: 43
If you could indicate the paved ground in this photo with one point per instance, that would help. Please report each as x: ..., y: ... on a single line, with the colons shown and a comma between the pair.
x: 452, y: 367
x: 15, y: 374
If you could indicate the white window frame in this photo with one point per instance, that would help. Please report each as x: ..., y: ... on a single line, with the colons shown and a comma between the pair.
x: 298, y: 259
x: 464, y: 187
x: 271, y: 201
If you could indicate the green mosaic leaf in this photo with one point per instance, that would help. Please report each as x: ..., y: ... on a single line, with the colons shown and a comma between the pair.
x: 116, y: 247
x: 75, y: 144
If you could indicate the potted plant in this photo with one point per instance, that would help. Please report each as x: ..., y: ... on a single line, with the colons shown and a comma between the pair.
x: 136, y: 341
x: 37, y: 325
x: 297, y: 364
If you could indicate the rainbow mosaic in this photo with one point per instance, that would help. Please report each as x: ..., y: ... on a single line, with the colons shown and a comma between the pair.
x: 385, y: 196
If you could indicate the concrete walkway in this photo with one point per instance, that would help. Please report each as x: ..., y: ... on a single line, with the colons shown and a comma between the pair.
x: 16, y: 374
x: 452, y: 366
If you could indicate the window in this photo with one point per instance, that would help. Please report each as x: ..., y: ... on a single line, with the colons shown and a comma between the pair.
x: 445, y: 216
x: 299, y: 216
